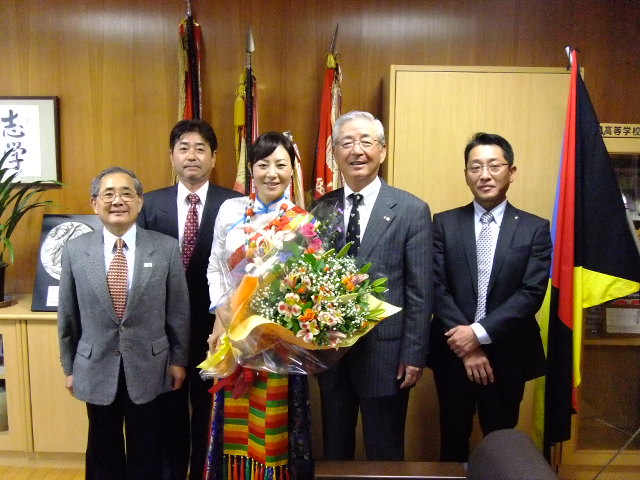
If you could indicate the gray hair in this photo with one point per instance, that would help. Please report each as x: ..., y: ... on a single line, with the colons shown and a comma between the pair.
x: 357, y: 115
x: 95, y: 183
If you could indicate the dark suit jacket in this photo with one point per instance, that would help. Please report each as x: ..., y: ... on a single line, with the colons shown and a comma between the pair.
x: 517, y: 286
x: 397, y: 243
x: 160, y: 213
x: 153, y: 332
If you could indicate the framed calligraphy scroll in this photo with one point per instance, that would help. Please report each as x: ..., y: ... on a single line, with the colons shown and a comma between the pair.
x: 29, y: 126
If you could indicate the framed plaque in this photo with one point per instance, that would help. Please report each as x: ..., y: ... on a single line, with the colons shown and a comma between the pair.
x: 56, y: 231
x: 623, y: 320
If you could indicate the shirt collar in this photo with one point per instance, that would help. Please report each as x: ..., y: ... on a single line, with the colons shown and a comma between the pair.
x: 369, y: 192
x: 183, y: 193
x: 129, y: 238
x: 497, y: 212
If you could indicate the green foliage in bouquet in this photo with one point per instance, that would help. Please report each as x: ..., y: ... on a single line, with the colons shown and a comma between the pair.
x: 322, y: 297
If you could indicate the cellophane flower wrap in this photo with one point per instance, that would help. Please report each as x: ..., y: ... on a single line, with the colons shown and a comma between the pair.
x: 293, y: 302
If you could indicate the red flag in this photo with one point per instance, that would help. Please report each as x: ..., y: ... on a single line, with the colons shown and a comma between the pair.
x: 190, y: 102
x: 325, y: 171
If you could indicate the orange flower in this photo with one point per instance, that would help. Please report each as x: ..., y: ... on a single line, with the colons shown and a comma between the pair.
x: 308, y: 315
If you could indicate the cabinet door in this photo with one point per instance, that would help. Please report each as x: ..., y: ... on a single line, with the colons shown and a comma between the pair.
x: 13, y: 397
x: 59, y: 420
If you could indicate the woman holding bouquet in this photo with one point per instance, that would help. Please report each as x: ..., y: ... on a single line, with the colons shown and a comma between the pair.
x: 273, y: 441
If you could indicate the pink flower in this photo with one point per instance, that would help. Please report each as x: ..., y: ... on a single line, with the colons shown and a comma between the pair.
x: 315, y: 243
x: 308, y: 230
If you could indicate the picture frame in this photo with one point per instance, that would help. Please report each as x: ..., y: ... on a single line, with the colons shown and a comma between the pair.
x: 56, y: 231
x: 31, y: 126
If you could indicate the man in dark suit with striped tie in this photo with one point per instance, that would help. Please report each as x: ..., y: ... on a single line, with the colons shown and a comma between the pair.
x: 187, y: 211
x: 491, y: 265
x: 391, y: 229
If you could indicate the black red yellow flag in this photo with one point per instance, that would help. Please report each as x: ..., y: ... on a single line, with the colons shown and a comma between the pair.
x: 595, y: 259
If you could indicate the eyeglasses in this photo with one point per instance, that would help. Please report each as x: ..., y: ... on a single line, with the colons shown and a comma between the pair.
x: 110, y: 197
x: 365, y: 144
x: 492, y: 168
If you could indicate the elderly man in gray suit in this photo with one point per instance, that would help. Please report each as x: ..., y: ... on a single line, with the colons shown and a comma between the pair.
x: 123, y: 324
x: 391, y: 229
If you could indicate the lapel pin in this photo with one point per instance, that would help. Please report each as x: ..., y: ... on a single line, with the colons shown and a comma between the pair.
x: 387, y: 218
x: 516, y: 217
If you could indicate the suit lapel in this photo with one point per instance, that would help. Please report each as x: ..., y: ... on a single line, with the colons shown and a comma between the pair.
x: 210, y: 211
x: 96, y: 271
x: 382, y: 216
x: 507, y: 231
x: 168, y: 211
x: 142, y: 269
x: 467, y: 227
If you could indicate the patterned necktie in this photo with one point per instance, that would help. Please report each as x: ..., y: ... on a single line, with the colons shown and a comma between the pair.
x: 483, y: 254
x: 353, y: 227
x: 117, y: 279
x: 190, y: 230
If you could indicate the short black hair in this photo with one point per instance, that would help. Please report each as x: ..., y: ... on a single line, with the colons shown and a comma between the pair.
x: 266, y: 144
x: 198, y: 126
x: 482, y: 138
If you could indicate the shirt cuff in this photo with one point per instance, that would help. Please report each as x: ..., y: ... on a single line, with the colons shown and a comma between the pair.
x: 481, y: 333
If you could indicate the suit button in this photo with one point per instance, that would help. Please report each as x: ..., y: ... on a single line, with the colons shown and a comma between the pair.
x: 117, y: 353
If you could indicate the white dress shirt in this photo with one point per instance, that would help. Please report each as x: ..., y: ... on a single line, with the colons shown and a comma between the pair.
x: 494, y: 227
x: 183, y: 206
x: 369, y: 194
x: 129, y: 250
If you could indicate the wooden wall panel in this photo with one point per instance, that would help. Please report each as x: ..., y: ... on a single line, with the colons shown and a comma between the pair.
x: 113, y: 65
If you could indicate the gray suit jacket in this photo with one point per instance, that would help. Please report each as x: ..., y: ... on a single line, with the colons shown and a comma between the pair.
x: 397, y: 242
x: 153, y: 333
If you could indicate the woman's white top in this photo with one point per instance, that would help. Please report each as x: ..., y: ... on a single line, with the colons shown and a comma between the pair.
x: 229, y: 234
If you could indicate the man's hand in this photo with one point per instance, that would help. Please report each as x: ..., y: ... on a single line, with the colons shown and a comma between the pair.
x: 411, y: 375
x: 478, y: 368
x: 68, y: 383
x: 178, y: 375
x: 462, y: 340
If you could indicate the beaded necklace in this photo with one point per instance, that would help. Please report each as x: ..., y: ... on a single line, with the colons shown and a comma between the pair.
x: 249, y: 212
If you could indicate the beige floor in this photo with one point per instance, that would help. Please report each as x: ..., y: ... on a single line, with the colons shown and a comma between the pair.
x: 46, y: 473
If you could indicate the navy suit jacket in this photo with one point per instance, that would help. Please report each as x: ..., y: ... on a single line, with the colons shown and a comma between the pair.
x: 160, y: 213
x: 518, y: 282
x: 397, y: 243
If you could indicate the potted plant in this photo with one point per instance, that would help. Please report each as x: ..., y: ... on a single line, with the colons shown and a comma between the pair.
x: 15, y: 201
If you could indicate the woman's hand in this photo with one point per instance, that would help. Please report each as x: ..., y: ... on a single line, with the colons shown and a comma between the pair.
x: 214, y: 338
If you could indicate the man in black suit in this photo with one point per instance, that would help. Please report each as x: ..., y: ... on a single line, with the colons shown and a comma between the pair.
x: 193, y: 145
x: 394, y: 234
x: 491, y: 273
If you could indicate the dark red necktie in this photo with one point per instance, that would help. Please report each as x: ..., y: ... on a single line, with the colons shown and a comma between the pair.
x: 190, y: 230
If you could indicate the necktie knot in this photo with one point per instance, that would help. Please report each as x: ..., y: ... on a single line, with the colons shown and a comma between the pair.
x: 486, y: 217
x: 120, y: 243
x: 194, y: 199
x: 356, y: 198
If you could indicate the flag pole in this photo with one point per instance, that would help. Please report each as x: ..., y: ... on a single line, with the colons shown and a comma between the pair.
x: 249, y: 106
x: 193, y: 62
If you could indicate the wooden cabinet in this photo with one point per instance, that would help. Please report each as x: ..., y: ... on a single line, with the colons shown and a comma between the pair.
x: 14, y: 403
x: 42, y: 416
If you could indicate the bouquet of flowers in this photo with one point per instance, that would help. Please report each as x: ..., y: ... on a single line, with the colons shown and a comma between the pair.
x: 295, y: 300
